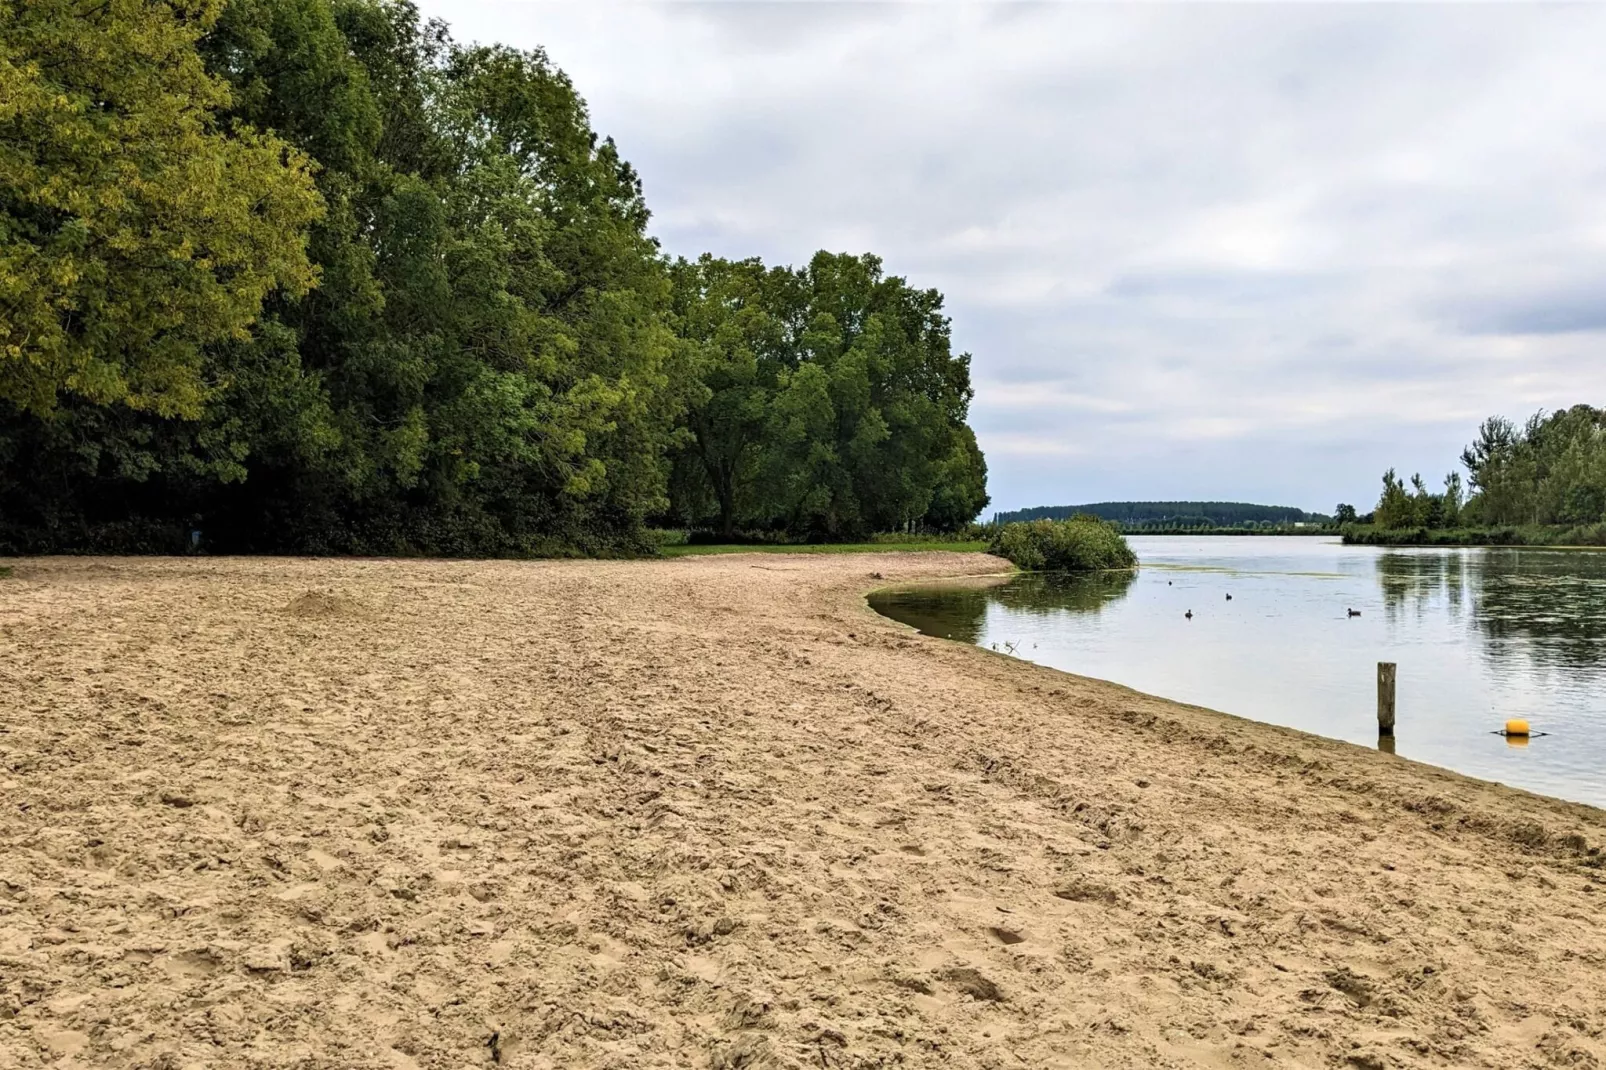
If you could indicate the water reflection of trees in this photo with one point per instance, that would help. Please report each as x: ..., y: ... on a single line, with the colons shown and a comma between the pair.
x: 1414, y: 583
x: 952, y: 613
x: 1544, y: 605
x: 960, y: 612
x: 1045, y: 593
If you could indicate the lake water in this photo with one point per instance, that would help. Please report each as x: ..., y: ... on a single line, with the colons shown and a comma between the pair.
x: 1480, y: 635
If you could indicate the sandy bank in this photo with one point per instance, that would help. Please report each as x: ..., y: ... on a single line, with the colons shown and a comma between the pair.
x: 714, y: 812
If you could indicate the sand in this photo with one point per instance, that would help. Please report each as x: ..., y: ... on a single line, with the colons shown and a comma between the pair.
x: 714, y: 812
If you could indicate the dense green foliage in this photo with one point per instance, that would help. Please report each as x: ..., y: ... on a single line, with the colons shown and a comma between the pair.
x: 1497, y: 535
x: 134, y: 228
x: 831, y: 403
x: 1417, y: 506
x: 1080, y: 544
x: 308, y: 275
x: 1541, y: 484
x: 1552, y: 470
x: 1136, y: 516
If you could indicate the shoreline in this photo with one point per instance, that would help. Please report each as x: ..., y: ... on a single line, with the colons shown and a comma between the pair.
x: 1498, y: 538
x: 996, y: 579
x: 992, y: 580
x: 718, y: 811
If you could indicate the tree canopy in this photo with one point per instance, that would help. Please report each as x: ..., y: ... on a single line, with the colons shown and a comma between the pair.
x: 137, y: 225
x: 831, y: 402
x: 311, y: 275
x: 1550, y: 471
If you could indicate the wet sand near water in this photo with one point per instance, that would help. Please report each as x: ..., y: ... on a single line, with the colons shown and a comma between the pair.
x: 714, y: 812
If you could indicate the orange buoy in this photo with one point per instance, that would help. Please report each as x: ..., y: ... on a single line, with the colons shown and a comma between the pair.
x: 1517, y: 727
x: 1517, y: 741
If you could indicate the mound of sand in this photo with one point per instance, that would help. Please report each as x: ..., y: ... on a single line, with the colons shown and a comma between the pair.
x: 703, y: 813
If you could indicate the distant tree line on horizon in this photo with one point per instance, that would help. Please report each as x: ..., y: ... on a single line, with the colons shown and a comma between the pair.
x: 311, y: 276
x: 1550, y: 472
x: 1136, y: 516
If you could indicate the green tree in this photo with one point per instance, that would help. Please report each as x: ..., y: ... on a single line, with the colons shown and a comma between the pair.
x: 733, y: 315
x: 897, y: 391
x: 1398, y: 508
x: 135, y: 228
x: 831, y: 401
x: 1451, y: 501
x: 961, y: 491
x: 490, y: 337
x: 1394, y: 506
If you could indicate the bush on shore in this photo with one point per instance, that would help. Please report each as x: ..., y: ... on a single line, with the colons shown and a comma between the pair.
x: 1080, y: 544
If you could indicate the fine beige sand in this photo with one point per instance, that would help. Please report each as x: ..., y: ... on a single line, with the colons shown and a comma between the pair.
x: 714, y: 812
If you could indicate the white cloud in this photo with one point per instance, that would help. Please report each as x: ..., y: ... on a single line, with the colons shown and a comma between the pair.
x: 1197, y: 251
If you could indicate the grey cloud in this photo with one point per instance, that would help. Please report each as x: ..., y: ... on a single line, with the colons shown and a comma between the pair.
x: 1230, y: 287
x: 1563, y: 313
x: 783, y: 25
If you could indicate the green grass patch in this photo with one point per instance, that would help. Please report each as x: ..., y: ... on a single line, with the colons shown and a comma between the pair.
x: 5, y: 571
x: 694, y: 550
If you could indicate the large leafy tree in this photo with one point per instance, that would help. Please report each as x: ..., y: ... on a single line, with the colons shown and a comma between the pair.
x: 135, y: 227
x: 961, y: 491
x: 567, y: 260
x: 735, y: 318
x: 832, y: 404
x: 899, y: 391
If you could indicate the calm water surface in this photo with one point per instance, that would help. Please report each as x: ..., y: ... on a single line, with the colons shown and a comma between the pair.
x: 1480, y: 635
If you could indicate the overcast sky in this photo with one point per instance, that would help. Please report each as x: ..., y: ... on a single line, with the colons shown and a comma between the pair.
x: 1230, y: 252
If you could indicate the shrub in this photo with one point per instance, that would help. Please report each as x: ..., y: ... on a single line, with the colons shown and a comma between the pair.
x: 1080, y: 544
x: 668, y: 536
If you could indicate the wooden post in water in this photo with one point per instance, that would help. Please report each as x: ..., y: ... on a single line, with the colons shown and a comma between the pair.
x: 1385, y: 698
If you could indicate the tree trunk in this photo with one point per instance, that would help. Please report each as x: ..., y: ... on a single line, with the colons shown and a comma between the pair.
x: 727, y: 509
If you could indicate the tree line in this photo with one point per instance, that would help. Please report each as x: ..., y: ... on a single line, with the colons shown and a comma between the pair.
x: 1548, y: 472
x: 1136, y: 515
x: 310, y: 275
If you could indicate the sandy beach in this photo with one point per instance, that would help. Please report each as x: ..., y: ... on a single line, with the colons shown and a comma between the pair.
x: 715, y: 812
